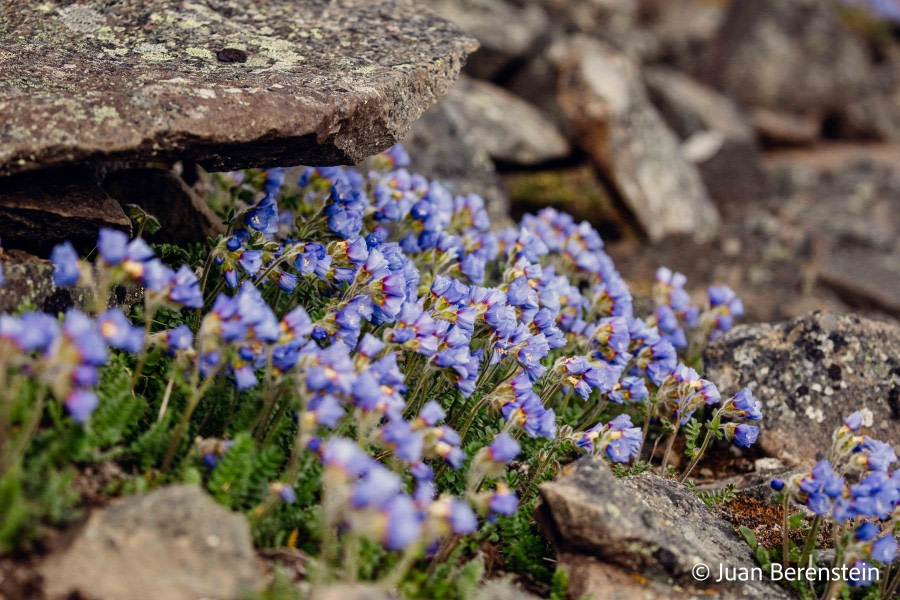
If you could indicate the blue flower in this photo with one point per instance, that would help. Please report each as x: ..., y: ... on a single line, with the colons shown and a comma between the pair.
x: 503, y: 502
x: 431, y: 414
x: 884, y: 549
x: 179, y: 338
x: 81, y: 405
x: 31, y: 331
x: 65, y: 265
x: 504, y: 448
x: 376, y: 487
x: 743, y: 405
x: 854, y: 421
x: 462, y: 519
x: 404, y: 523
x: 743, y: 435
x: 119, y: 333
x: 624, y: 439
x: 112, y: 245
x: 875, y: 455
x: 186, y: 289
x: 264, y: 216
x: 629, y: 388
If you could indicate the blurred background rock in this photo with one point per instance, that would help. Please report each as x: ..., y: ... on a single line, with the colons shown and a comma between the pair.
x: 750, y: 142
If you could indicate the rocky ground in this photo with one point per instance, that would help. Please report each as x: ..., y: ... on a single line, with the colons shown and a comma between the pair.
x: 754, y: 143
x: 777, y: 177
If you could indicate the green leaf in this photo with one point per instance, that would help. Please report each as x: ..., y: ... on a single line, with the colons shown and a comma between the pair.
x: 749, y: 537
x: 796, y: 520
x: 692, y: 433
x: 762, y: 556
x: 142, y: 218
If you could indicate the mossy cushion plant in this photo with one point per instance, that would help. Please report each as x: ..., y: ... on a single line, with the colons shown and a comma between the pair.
x: 365, y: 368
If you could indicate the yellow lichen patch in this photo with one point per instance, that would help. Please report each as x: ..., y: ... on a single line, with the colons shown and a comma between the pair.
x: 115, y: 51
x: 281, y: 50
x: 102, y: 113
x: 199, y: 53
x: 189, y: 23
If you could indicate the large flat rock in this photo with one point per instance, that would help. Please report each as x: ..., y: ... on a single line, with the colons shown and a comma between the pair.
x: 230, y: 84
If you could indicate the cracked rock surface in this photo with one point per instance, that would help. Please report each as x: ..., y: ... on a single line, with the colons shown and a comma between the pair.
x: 230, y: 84
x: 640, y: 537
x: 809, y: 374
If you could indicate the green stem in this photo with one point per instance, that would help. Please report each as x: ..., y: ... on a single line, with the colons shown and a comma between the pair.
x: 207, y: 265
x: 193, y: 401
x: 565, y: 402
x: 810, y: 542
x: 589, y: 418
x: 26, y: 433
x: 351, y: 557
x: 698, y: 455
x: 471, y: 418
x: 885, y: 577
x: 785, y: 530
x: 149, y: 312
x: 395, y: 577
x: 665, y: 458
x: 651, y: 408
x: 893, y: 588
x: 535, y: 475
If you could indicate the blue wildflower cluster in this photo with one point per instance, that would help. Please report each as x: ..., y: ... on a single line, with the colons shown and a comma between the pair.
x: 375, y: 321
x: 857, y: 490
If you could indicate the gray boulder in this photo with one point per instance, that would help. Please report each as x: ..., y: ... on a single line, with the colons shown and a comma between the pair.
x: 601, y: 94
x: 508, y: 32
x: 508, y: 128
x: 640, y: 537
x: 809, y: 374
x: 792, y: 55
x: 174, y: 543
x: 717, y: 136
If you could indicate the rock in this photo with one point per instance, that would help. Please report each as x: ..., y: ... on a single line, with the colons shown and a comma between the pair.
x: 508, y: 128
x: 502, y: 589
x: 174, y: 543
x: 508, y: 32
x: 442, y: 147
x: 598, y: 17
x: 28, y: 281
x: 777, y: 128
x: 809, y: 374
x: 683, y: 31
x: 601, y: 94
x: 354, y: 591
x: 640, y: 537
x: 791, y: 55
x: 229, y: 84
x: 873, y: 114
x: 690, y: 107
x: 864, y: 277
x: 718, y: 137
x: 184, y: 216
x: 613, y: 21
x: 39, y: 211
x: 846, y: 195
